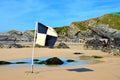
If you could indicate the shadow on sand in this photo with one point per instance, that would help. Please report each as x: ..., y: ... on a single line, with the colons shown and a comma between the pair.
x: 76, y: 70
x: 80, y: 70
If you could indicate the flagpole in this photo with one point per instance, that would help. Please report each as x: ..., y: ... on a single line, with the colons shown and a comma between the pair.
x: 33, y: 50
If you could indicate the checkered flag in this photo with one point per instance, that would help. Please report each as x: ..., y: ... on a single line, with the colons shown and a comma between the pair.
x: 46, y: 36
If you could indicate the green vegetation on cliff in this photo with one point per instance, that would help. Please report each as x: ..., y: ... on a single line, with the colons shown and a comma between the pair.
x: 13, y: 31
x: 79, y: 25
x: 62, y: 30
x: 112, y: 20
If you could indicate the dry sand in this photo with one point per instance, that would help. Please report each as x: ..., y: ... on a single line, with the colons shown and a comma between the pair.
x: 107, y: 70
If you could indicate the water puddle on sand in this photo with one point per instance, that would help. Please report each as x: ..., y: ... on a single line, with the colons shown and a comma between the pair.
x: 65, y: 64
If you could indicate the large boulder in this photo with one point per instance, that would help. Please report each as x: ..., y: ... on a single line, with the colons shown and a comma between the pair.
x: 53, y: 61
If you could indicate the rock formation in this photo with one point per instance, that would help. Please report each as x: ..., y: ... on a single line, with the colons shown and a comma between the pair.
x: 53, y: 61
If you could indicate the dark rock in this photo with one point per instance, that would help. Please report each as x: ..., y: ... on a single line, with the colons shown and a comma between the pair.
x: 112, y: 46
x: 78, y: 53
x: 39, y: 46
x: 53, y: 61
x: 35, y: 60
x: 1, y: 45
x: 4, y: 62
x: 62, y: 45
x: 20, y: 62
x: 15, y: 46
x: 39, y: 62
x: 70, y: 60
x: 94, y: 44
x: 94, y: 56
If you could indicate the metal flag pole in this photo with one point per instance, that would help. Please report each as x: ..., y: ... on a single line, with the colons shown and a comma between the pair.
x: 33, y: 50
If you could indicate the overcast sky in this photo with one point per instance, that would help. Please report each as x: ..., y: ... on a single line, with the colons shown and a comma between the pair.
x: 23, y: 14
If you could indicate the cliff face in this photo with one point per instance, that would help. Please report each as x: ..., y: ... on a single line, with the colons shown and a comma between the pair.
x: 17, y: 36
x: 62, y: 31
x: 108, y: 20
x: 111, y: 20
x: 72, y: 30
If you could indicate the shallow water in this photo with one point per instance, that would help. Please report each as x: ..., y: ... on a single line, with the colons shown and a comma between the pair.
x: 66, y: 64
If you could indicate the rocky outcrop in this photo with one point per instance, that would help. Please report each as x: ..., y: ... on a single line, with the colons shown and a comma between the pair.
x: 108, y: 20
x: 16, y: 39
x: 62, y: 45
x: 106, y: 39
x: 105, y: 32
x: 53, y: 61
x: 72, y: 31
x: 17, y: 36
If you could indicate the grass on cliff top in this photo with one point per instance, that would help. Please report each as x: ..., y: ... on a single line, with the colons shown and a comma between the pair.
x: 79, y: 25
x: 61, y: 29
x: 111, y: 19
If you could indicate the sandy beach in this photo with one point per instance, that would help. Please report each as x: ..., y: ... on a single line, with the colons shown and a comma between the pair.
x: 108, y: 69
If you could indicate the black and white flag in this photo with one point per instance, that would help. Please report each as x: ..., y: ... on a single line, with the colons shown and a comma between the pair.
x: 46, y: 36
